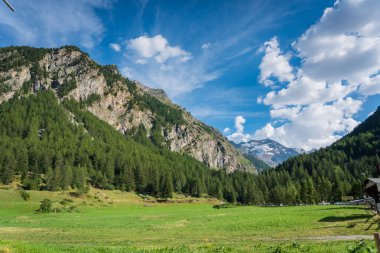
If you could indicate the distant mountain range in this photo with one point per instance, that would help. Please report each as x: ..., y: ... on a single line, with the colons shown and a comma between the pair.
x: 267, y: 150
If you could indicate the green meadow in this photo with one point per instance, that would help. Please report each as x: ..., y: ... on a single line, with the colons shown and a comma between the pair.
x: 115, y: 221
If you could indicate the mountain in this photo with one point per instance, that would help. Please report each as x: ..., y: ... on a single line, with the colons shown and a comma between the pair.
x: 259, y: 164
x: 126, y: 105
x: 330, y: 173
x: 267, y: 150
x: 48, y: 144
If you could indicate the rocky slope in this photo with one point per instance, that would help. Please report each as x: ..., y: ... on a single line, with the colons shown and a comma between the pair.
x: 124, y: 104
x: 267, y: 150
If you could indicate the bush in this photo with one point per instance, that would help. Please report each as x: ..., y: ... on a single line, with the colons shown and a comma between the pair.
x: 45, y: 206
x: 227, y: 205
x: 109, y: 187
x: 24, y: 195
x: 80, y: 192
x: 56, y: 210
x: 73, y: 209
x: 65, y: 202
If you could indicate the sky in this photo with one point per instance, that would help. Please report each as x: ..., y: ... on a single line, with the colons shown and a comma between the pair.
x: 301, y: 72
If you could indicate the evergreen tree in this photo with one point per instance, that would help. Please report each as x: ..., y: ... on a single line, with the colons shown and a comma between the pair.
x: 167, y: 186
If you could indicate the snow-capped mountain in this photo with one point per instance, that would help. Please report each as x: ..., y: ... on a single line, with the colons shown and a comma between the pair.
x: 267, y: 150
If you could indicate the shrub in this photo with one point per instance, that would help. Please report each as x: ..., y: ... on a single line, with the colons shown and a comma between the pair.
x: 227, y: 205
x: 73, y: 209
x: 45, y: 206
x: 24, y: 195
x: 65, y: 202
x: 109, y: 187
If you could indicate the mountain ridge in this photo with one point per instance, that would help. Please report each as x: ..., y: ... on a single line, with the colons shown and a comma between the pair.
x: 122, y: 103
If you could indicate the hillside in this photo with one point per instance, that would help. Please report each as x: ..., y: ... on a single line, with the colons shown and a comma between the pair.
x: 124, y: 104
x: 329, y: 173
x: 267, y: 150
x: 56, y: 146
x: 258, y: 163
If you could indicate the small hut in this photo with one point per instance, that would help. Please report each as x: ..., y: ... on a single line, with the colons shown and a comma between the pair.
x: 372, y: 189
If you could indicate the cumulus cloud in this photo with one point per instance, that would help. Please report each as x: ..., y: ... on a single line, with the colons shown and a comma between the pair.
x: 340, y: 56
x: 156, y: 47
x: 304, y: 90
x: 344, y: 44
x: 51, y: 23
x: 239, y: 124
x: 239, y: 135
x: 274, y: 64
x: 317, y: 125
x: 116, y: 47
x: 154, y: 62
x: 226, y: 130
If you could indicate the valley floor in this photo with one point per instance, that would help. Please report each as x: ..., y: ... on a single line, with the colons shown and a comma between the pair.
x: 114, y: 221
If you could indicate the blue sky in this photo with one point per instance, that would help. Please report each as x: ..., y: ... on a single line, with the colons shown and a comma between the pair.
x: 300, y: 72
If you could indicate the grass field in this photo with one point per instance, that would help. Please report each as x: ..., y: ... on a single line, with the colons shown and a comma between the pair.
x: 113, y: 221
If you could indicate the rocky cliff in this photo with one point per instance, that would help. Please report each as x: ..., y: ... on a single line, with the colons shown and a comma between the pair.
x: 124, y: 104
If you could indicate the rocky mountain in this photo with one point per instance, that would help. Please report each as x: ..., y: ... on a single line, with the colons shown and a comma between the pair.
x: 267, y: 150
x: 124, y: 104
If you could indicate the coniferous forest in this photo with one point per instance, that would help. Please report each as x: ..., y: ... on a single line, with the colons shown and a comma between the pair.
x: 54, y: 146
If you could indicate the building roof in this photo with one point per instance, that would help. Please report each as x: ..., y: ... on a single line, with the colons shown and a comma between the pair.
x: 370, y: 182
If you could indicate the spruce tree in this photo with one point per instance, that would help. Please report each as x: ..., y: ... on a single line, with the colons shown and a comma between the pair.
x: 167, y: 186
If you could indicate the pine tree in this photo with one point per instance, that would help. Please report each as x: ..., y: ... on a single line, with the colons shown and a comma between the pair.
x: 167, y: 186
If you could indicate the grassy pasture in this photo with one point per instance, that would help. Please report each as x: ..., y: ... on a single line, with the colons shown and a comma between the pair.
x: 114, y: 221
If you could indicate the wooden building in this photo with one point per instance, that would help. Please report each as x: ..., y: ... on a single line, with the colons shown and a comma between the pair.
x: 372, y: 189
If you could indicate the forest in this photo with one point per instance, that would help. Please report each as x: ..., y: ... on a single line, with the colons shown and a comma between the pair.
x: 54, y: 146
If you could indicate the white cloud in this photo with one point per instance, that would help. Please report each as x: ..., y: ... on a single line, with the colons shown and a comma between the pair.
x: 206, y: 46
x: 317, y: 125
x: 274, y: 64
x: 157, y: 64
x: 51, y: 23
x: 288, y: 112
x: 339, y: 55
x: 239, y: 124
x: 127, y: 72
x: 226, y: 130
x: 304, y: 90
x: 116, y: 47
x: 156, y: 47
x: 344, y: 44
x: 239, y: 135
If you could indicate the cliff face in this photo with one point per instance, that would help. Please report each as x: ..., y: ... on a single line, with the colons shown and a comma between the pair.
x: 124, y: 104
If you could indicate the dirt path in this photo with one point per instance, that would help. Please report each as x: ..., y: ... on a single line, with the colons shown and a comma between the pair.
x: 340, y: 238
x: 324, y: 238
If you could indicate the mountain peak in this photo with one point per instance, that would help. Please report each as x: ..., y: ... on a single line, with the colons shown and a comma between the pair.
x: 267, y: 150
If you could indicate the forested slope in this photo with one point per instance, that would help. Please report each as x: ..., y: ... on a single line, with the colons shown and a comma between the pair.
x: 122, y: 103
x: 329, y: 173
x: 55, y: 146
